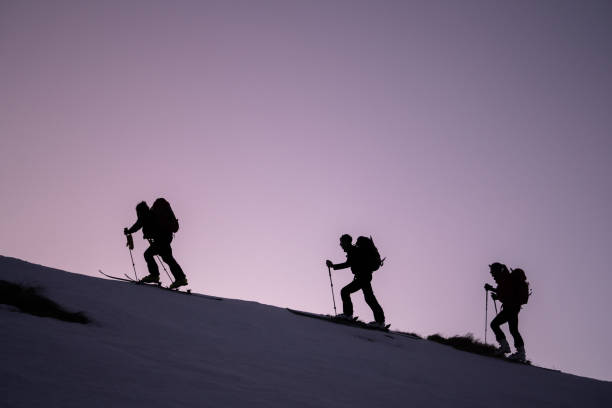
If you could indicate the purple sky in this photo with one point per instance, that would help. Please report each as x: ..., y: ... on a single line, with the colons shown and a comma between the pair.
x: 456, y: 133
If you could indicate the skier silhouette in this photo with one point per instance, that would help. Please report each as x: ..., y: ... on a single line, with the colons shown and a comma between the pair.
x: 361, y: 281
x: 155, y: 230
x: 506, y: 292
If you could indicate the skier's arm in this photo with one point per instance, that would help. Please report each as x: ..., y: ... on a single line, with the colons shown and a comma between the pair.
x: 137, y: 225
x: 341, y: 266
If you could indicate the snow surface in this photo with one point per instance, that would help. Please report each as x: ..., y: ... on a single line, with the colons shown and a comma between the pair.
x: 153, y: 348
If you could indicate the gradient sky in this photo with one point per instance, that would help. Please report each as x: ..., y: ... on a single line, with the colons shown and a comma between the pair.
x: 456, y: 133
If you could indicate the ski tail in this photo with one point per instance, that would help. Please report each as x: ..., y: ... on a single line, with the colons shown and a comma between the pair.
x: 116, y: 277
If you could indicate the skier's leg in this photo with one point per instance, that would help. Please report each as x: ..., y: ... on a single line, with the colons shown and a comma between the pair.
x: 497, y: 322
x: 166, y: 255
x: 368, y: 294
x: 513, y: 326
x: 345, y: 293
x: 149, y: 256
x: 500, y: 319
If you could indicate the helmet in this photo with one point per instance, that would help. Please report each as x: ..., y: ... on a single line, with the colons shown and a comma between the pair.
x: 142, y: 208
x: 346, y: 238
x: 498, y: 269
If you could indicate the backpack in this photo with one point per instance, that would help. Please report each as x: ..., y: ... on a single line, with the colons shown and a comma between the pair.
x: 521, y: 286
x: 369, y: 255
x: 163, y: 216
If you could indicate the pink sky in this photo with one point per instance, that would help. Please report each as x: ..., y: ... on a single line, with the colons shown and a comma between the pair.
x: 456, y: 133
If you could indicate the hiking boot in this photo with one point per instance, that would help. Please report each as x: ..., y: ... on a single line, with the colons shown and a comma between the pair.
x: 345, y: 317
x: 150, y: 279
x: 519, y: 355
x: 380, y: 325
x: 179, y: 282
x: 504, y: 347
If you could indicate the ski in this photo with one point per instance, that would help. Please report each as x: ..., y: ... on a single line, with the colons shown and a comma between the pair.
x: 159, y: 285
x: 186, y: 291
x: 347, y: 322
x: 177, y: 290
x: 511, y: 360
x: 527, y: 363
x: 116, y: 277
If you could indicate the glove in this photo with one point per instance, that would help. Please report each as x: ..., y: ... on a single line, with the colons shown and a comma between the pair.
x: 488, y: 287
x: 329, y: 264
x: 130, y: 242
x: 125, y: 231
x: 494, y: 296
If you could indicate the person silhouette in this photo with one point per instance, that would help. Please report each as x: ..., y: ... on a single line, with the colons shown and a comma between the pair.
x: 159, y: 244
x: 506, y: 293
x: 361, y: 281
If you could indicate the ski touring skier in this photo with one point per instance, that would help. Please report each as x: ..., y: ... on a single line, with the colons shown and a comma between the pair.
x: 512, y: 291
x: 362, y: 263
x: 158, y: 225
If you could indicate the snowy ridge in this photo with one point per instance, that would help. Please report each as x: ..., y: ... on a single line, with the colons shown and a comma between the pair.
x: 154, y: 348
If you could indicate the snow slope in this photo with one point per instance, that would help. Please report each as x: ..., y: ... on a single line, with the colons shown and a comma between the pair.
x: 153, y: 348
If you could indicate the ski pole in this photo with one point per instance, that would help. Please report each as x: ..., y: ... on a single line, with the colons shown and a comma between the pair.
x: 130, y: 245
x: 162, y: 264
x: 332, y: 290
x: 486, y: 313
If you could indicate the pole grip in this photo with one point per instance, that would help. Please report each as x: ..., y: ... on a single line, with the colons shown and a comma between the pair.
x: 130, y: 241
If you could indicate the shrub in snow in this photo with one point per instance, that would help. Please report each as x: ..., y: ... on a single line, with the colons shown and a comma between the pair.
x: 29, y: 300
x: 465, y: 343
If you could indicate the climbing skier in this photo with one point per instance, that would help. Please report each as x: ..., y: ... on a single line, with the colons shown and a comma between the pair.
x: 511, y: 293
x: 158, y: 226
x: 357, y: 258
